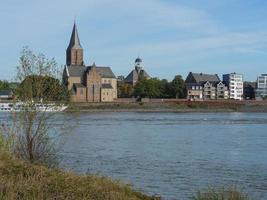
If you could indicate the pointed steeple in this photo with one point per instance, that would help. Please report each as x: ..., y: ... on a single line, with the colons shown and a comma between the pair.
x: 74, y: 53
x: 74, y: 40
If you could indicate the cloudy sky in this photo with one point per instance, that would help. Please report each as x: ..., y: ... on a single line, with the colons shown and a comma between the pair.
x: 171, y: 36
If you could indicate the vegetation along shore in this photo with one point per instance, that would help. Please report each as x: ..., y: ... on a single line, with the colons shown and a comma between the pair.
x: 163, y: 105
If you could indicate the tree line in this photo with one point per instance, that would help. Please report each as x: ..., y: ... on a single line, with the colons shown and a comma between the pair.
x: 153, y: 88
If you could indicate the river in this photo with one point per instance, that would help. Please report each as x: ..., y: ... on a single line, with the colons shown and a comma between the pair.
x: 169, y: 154
x: 172, y: 154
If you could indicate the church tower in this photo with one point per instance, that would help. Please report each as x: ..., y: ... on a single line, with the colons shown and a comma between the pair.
x: 74, y: 52
x: 138, y: 64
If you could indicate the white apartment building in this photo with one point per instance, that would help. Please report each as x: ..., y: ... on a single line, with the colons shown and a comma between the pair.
x: 261, y: 90
x: 234, y: 82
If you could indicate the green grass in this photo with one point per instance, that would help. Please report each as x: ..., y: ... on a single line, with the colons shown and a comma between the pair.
x: 231, y: 193
x: 21, y: 180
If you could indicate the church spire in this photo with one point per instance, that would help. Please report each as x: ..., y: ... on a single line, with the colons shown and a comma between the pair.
x: 74, y: 50
x: 74, y: 40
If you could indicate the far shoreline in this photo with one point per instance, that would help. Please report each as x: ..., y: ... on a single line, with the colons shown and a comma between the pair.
x: 178, y: 106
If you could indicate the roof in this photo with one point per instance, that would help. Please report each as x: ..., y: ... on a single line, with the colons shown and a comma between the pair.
x: 78, y: 71
x: 74, y: 39
x: 201, y: 78
x: 106, y: 86
x: 133, y: 75
x: 138, y: 60
x: 105, y: 72
x: 214, y: 83
x: 6, y: 92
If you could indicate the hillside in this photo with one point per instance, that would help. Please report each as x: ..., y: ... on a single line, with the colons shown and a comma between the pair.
x: 20, y: 180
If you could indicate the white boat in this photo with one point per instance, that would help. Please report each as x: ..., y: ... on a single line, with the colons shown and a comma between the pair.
x: 19, y: 106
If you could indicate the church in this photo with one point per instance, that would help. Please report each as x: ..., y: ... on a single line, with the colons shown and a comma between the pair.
x: 137, y: 73
x: 87, y: 83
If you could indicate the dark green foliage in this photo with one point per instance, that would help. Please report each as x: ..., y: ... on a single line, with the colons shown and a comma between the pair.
x: 152, y: 88
x: 42, y: 88
x: 4, y: 85
x: 178, y: 87
x: 125, y: 90
x: 156, y: 88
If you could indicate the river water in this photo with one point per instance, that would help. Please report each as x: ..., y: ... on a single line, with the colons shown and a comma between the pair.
x: 172, y: 154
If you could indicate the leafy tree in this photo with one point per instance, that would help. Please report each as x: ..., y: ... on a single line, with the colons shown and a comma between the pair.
x: 152, y: 88
x: 42, y: 88
x: 125, y: 90
x: 32, y: 128
x: 155, y: 88
x: 178, y: 87
x: 4, y: 85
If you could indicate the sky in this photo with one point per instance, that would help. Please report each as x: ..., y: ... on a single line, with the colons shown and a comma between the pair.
x: 171, y: 36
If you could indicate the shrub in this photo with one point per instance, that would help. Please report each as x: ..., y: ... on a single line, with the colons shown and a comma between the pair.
x: 231, y: 193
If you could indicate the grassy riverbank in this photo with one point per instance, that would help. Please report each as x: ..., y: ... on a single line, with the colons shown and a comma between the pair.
x: 21, y: 180
x: 24, y: 181
x: 179, y: 106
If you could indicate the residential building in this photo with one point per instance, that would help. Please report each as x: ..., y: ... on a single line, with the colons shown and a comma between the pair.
x: 261, y: 90
x: 87, y: 83
x: 209, y: 90
x: 205, y: 86
x: 222, y: 91
x: 137, y: 73
x: 6, y: 94
x: 234, y: 82
x: 249, y: 90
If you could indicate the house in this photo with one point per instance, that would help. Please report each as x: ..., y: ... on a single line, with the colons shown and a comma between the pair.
x: 261, y: 91
x: 234, y: 82
x: 137, y: 73
x: 87, y: 83
x: 205, y: 86
x: 6, y: 94
x: 222, y: 91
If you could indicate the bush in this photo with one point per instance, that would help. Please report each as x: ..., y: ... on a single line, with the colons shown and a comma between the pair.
x: 231, y: 193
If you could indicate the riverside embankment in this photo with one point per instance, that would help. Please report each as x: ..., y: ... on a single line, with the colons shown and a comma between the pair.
x: 171, y: 105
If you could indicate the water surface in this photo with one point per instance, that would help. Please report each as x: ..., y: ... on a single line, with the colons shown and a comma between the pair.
x: 172, y: 154
x: 169, y: 154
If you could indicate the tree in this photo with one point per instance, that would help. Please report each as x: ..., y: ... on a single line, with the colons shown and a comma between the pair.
x: 152, y: 88
x: 4, y: 85
x: 125, y: 90
x: 39, y: 84
x: 178, y: 87
x: 42, y: 88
